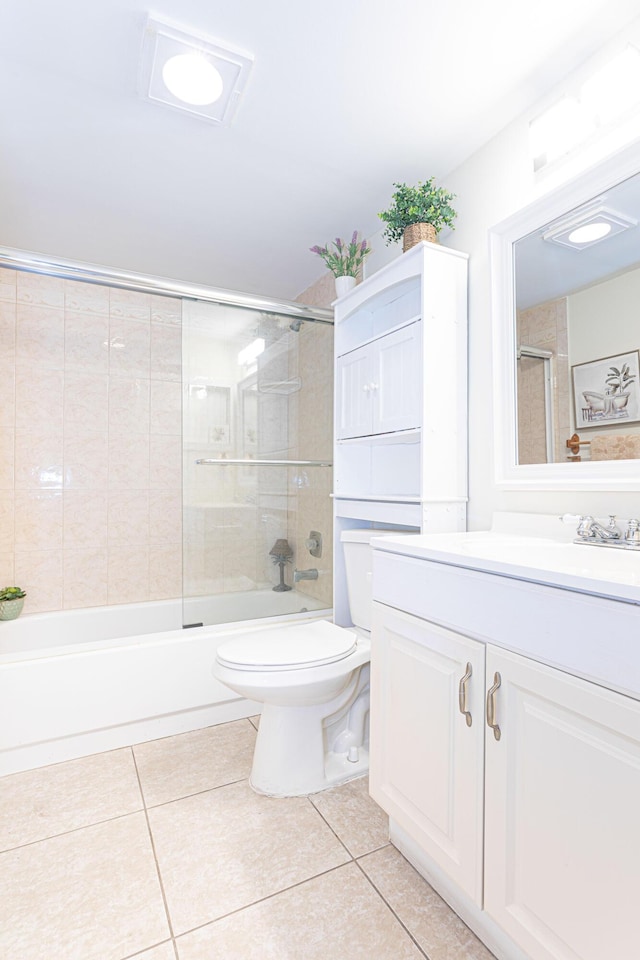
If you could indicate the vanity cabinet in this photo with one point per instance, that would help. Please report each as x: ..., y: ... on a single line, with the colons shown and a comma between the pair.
x: 427, y: 739
x: 562, y: 842
x: 517, y: 782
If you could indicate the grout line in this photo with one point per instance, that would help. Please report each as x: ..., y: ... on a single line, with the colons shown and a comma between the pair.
x: 66, y: 833
x: 155, y: 855
x: 322, y: 817
x: 141, y: 953
x: 270, y: 896
x: 386, y: 902
x: 198, y: 793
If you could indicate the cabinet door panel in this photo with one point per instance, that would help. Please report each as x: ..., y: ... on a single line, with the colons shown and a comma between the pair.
x: 397, y: 381
x: 353, y: 394
x: 562, y: 849
x: 426, y: 763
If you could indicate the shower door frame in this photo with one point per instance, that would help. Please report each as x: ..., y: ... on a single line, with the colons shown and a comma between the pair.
x: 537, y: 353
x: 69, y: 269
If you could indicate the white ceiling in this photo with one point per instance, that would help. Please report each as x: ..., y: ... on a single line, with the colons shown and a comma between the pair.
x: 345, y: 97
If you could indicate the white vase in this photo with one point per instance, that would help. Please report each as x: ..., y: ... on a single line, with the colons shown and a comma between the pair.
x: 344, y: 284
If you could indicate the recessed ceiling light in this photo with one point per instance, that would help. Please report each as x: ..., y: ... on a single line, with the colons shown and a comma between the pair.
x: 587, y: 225
x: 193, y: 79
x: 195, y: 73
x: 590, y: 232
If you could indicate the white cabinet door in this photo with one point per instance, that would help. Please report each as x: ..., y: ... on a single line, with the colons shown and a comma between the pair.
x: 397, y: 380
x: 426, y: 761
x: 378, y: 386
x: 562, y: 846
x: 353, y: 394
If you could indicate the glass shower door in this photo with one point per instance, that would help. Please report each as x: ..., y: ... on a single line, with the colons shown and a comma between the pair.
x: 257, y: 424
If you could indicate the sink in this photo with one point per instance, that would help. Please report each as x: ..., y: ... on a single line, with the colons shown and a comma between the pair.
x: 556, y: 561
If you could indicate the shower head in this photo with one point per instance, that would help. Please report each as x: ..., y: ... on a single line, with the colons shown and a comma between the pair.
x: 295, y: 325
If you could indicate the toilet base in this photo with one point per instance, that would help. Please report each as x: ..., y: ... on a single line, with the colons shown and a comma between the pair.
x: 291, y: 758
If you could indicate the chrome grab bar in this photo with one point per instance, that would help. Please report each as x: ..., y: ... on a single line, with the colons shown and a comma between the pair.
x: 271, y: 463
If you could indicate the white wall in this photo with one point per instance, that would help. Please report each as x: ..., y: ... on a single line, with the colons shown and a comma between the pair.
x: 492, y: 185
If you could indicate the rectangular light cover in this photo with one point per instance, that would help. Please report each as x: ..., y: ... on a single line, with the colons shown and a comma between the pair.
x: 163, y: 40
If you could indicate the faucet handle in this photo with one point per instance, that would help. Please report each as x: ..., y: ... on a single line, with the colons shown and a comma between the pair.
x: 633, y: 531
x: 616, y: 532
x: 570, y: 518
x: 585, y: 527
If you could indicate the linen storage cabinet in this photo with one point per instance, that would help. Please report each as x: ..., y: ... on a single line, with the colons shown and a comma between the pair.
x: 400, y: 450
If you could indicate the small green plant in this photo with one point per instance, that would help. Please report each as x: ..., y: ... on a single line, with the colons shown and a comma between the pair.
x: 424, y: 203
x: 346, y: 258
x: 12, y: 593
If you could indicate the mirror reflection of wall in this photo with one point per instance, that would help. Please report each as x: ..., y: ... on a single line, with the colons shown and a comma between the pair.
x: 577, y: 302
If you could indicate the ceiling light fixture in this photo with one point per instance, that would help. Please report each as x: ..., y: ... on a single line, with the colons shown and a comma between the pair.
x: 590, y: 232
x: 194, y: 73
x: 588, y: 225
x: 193, y: 79
x: 605, y: 106
x: 615, y: 89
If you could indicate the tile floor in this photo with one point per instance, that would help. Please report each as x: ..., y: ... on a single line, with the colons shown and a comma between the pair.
x: 163, y: 852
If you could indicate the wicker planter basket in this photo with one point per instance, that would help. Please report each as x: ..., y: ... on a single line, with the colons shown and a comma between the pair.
x: 416, y: 232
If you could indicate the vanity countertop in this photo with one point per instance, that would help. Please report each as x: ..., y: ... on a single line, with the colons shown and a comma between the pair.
x: 512, y: 549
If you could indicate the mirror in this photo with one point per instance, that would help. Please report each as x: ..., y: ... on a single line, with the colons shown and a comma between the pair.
x: 566, y: 285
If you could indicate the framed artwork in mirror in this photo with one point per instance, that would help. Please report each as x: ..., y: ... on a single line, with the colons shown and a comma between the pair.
x: 605, y: 391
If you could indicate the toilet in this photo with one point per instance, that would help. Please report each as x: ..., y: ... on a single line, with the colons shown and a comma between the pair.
x: 313, y: 681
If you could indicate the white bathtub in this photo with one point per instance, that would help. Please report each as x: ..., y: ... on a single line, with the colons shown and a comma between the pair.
x: 76, y: 682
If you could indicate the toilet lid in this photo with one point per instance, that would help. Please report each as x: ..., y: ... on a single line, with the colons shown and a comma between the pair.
x: 288, y: 647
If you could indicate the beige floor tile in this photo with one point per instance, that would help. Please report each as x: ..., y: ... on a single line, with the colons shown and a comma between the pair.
x: 337, y: 916
x: 439, y: 931
x: 42, y: 803
x: 356, y: 818
x: 191, y: 762
x: 164, y: 951
x: 224, y: 849
x: 88, y: 895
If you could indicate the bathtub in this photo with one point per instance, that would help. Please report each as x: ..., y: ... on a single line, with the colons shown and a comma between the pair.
x: 77, y: 682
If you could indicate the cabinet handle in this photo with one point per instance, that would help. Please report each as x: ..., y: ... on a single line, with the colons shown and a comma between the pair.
x: 491, y: 706
x: 462, y: 695
x: 366, y: 388
x: 373, y: 386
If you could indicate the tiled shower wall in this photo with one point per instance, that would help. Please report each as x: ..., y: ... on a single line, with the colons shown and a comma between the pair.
x: 90, y: 448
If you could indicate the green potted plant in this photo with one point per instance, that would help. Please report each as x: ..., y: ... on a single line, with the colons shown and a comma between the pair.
x: 344, y: 260
x: 11, y: 602
x: 417, y: 213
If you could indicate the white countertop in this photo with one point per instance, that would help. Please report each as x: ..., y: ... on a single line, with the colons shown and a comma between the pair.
x: 553, y: 560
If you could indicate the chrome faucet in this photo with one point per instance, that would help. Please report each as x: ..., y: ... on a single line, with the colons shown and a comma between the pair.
x: 589, y: 528
x: 311, y: 574
x: 592, y: 531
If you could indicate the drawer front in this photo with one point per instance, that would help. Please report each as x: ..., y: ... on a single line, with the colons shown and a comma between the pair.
x: 591, y: 637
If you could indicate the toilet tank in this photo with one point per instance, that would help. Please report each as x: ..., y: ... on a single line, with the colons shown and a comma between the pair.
x: 358, y: 560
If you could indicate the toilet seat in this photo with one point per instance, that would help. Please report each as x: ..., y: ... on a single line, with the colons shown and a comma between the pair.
x: 290, y: 647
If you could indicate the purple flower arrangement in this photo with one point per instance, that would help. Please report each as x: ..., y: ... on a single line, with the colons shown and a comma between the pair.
x: 346, y: 258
